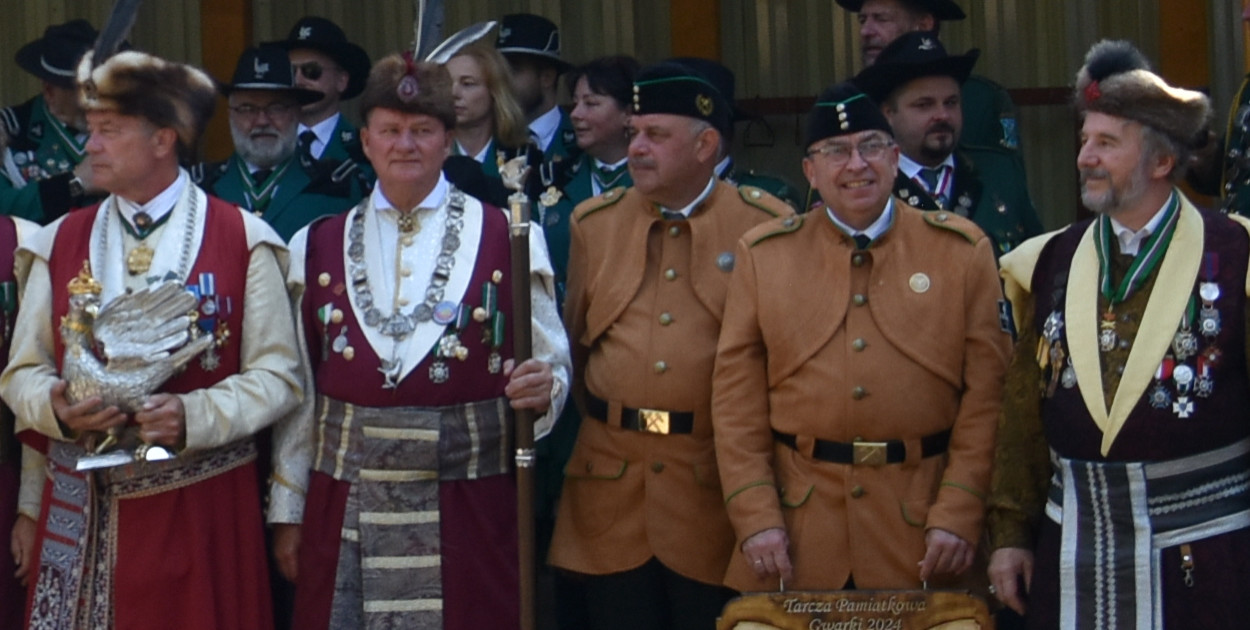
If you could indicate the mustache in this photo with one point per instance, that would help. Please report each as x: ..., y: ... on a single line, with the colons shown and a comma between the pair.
x: 267, y: 130
x: 942, y: 126
x: 1094, y: 173
x: 641, y: 162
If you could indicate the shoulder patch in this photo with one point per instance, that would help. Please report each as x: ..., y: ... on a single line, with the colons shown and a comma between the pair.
x: 595, y: 204
x: 951, y: 222
x: 787, y: 225
x: 762, y: 199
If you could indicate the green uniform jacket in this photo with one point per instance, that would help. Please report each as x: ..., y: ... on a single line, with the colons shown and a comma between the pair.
x: 40, y: 152
x: 770, y: 184
x: 1235, y: 171
x: 990, y: 189
x: 296, y: 202
x: 344, y: 146
x: 989, y: 116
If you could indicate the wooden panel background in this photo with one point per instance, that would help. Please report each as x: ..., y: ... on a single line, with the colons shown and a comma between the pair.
x: 778, y: 48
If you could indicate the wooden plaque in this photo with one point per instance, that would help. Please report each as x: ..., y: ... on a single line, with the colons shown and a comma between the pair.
x: 856, y: 610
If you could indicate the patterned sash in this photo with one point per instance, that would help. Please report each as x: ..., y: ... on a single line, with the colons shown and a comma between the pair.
x: 1117, y: 516
x: 389, y: 567
x: 74, y: 587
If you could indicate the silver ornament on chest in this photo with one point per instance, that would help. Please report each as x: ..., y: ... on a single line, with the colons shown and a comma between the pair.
x: 1184, y: 344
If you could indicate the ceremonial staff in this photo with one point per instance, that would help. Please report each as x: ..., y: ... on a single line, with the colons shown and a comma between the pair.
x: 514, y: 174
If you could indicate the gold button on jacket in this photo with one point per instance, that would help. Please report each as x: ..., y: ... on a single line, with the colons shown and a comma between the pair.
x: 644, y: 307
x: 790, y: 362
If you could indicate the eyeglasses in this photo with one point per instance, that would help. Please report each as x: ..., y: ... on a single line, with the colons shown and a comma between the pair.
x: 838, y: 153
x: 272, y: 110
x: 310, y: 69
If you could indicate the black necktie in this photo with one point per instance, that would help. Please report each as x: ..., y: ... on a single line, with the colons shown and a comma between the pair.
x: 304, y: 147
x: 261, y: 175
x: 672, y: 215
x: 862, y: 241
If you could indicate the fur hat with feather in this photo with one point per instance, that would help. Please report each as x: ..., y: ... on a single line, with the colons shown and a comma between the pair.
x: 1117, y: 80
x: 167, y: 94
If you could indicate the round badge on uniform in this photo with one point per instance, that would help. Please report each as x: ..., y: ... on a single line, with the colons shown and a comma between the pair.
x: 1209, y: 291
x: 725, y: 261
x: 919, y: 282
x: 444, y: 313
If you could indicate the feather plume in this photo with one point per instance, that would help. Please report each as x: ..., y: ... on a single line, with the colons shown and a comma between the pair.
x: 465, y: 36
x: 121, y: 19
x: 418, y: 24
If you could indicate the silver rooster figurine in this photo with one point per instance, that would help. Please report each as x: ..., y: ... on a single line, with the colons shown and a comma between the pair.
x: 144, y: 337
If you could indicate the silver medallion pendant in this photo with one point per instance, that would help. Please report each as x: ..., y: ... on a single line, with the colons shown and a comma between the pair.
x: 1184, y: 377
x: 1209, y: 321
x: 439, y: 372
x: 1068, y: 377
x: 1183, y: 407
x: 340, y: 342
x: 1160, y: 397
x: 1107, y: 337
x: 1209, y: 292
x: 1184, y: 344
x: 494, y: 363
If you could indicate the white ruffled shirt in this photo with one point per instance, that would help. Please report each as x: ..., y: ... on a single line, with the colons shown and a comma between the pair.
x: 399, y: 273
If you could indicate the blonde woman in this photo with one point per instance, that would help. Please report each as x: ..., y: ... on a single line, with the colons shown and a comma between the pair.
x: 490, y: 124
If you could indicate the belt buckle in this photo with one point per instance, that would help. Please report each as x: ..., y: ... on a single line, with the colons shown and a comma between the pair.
x: 869, y: 453
x: 654, y: 421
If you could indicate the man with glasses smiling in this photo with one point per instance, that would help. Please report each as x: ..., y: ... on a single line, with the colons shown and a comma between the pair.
x: 263, y: 176
x: 854, y: 431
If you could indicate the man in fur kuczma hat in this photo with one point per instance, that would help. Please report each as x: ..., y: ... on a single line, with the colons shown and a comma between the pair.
x: 405, y: 306
x: 175, y: 537
x: 1119, y: 496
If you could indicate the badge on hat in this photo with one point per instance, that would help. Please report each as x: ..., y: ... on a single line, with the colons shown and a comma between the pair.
x: 260, y: 69
x: 704, y: 104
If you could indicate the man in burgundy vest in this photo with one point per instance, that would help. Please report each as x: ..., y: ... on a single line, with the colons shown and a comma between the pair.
x: 1119, y: 498
x: 393, y: 496
x: 154, y: 544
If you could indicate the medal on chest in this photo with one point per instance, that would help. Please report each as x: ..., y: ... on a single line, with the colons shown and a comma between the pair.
x: 1107, y: 337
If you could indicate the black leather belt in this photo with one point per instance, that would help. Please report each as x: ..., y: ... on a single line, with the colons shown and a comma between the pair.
x: 645, y: 420
x: 870, y: 453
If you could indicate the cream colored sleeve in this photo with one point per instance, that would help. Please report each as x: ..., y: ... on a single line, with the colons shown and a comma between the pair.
x: 26, y: 383
x: 551, y: 342
x: 293, y: 443
x: 269, y: 383
x: 30, y: 491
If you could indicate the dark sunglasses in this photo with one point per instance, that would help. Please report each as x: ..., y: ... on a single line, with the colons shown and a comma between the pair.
x: 310, y: 69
